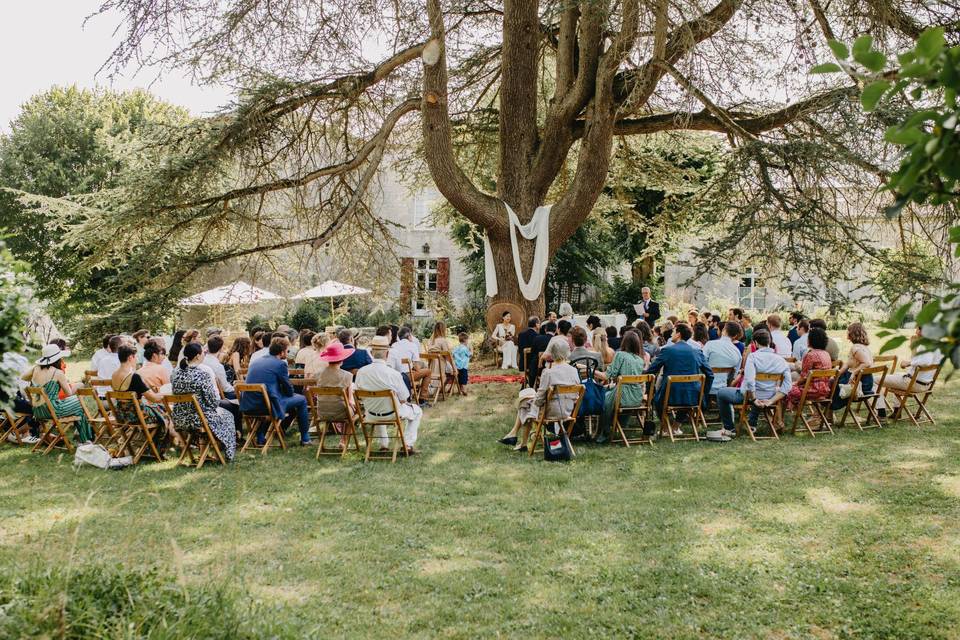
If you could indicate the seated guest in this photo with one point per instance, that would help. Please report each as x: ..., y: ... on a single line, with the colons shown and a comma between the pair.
x: 212, y: 360
x: 680, y: 359
x: 539, y: 349
x: 271, y: 371
x: 559, y: 374
x: 860, y: 357
x: 153, y: 372
x: 701, y: 336
x: 28, y: 433
x: 48, y: 375
x: 563, y: 333
x: 307, y: 350
x: 580, y: 352
x: 735, y: 314
x: 713, y: 327
x: 191, y: 378
x: 815, y: 357
x: 781, y: 343
x: 723, y: 353
x: 794, y: 319
x: 110, y: 362
x: 313, y: 364
x: 566, y: 312
x: 613, y: 338
x: 648, y: 341
x: 693, y: 317
x: 439, y: 344
x: 901, y: 381
x: 526, y: 338
x: 763, y: 360
x: 267, y: 340
x: 666, y: 333
x: 238, y: 358
x: 503, y: 338
x: 140, y: 339
x: 102, y: 352
x: 379, y: 376
x: 748, y: 329
x: 631, y: 360
x: 334, y: 376
x: 461, y: 359
x: 417, y: 374
x: 126, y: 378
x: 800, y: 344
x: 833, y: 347
x: 358, y: 358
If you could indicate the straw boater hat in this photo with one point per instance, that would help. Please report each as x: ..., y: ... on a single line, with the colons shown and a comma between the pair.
x: 380, y: 343
x: 51, y: 353
x: 335, y: 353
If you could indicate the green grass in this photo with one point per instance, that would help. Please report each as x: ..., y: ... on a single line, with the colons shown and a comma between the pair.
x: 855, y: 536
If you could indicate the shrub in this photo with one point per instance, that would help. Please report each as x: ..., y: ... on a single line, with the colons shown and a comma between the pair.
x: 14, y: 300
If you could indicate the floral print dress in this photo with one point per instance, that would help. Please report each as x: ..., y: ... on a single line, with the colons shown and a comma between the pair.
x: 192, y: 380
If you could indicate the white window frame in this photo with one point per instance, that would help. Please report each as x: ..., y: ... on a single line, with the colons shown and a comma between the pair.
x: 425, y: 273
x: 753, y: 276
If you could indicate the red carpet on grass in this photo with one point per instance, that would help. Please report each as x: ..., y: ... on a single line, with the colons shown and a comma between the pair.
x: 486, y: 379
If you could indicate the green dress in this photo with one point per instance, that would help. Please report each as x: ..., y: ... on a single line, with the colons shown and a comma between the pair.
x: 632, y: 395
x: 69, y: 406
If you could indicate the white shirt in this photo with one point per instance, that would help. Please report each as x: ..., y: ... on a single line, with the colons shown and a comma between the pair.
x: 781, y: 343
x: 403, y: 349
x: 800, y: 347
x: 696, y: 345
x: 379, y: 376
x: 219, y: 373
x: 765, y: 360
x: 98, y: 355
x: 922, y: 360
x: 108, y: 366
x: 259, y: 354
x: 722, y: 353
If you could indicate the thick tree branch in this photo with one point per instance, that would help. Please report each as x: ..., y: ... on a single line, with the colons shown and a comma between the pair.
x: 450, y: 179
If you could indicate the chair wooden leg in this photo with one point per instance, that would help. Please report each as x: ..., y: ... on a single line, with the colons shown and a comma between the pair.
x: 536, y: 438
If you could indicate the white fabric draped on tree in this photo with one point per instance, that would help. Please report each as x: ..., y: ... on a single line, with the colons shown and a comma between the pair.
x: 537, y: 229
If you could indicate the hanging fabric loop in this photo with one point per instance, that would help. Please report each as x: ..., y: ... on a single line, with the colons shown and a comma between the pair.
x: 537, y: 229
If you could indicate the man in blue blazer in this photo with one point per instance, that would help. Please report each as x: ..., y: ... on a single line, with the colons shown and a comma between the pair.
x: 272, y: 372
x: 680, y: 359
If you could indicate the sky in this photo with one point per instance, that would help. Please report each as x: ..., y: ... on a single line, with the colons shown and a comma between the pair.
x: 45, y: 43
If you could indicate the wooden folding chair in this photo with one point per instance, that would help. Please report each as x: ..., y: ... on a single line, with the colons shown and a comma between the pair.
x: 100, y: 420
x: 11, y: 423
x: 199, y: 444
x: 252, y: 421
x: 89, y: 375
x: 438, y: 375
x: 323, y: 424
x: 717, y: 372
x: 868, y: 401
x: 769, y: 414
x: 391, y: 420
x: 566, y: 422
x: 53, y: 428
x: 694, y: 411
x: 620, y: 430
x: 919, y: 393
x: 819, y: 407
x: 300, y: 385
x: 128, y: 418
x: 452, y: 379
x: 525, y: 361
x: 414, y: 387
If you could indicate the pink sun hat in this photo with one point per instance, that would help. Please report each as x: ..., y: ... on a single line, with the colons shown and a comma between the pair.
x: 335, y: 353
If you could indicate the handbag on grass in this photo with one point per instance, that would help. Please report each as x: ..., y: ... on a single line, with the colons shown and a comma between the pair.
x: 556, y: 446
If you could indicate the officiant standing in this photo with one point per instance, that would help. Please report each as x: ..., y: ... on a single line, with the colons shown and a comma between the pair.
x: 651, y: 309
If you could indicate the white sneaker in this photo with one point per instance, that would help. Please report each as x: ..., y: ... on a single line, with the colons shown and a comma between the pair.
x: 30, y: 440
x: 12, y: 438
x: 728, y: 433
x: 678, y: 431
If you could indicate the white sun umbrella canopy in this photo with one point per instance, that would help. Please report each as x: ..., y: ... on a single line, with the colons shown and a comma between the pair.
x: 237, y: 293
x: 332, y: 289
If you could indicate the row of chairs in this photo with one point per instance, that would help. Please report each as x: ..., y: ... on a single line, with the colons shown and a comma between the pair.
x: 812, y: 415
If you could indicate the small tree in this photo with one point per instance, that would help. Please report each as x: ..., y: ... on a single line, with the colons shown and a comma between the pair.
x: 14, y: 309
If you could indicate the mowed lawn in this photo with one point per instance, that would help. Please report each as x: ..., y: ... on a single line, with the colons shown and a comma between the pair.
x: 851, y: 536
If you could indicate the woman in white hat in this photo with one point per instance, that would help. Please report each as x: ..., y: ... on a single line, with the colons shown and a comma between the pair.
x: 46, y: 373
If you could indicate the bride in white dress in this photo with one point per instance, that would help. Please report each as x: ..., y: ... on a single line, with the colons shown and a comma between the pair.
x: 504, y: 339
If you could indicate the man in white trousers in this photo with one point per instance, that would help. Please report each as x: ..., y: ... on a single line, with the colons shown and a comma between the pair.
x: 380, y: 376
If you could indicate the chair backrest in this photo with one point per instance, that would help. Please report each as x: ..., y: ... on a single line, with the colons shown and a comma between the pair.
x: 120, y: 400
x: 836, y: 364
x: 38, y: 397
x: 89, y: 374
x: 624, y: 381
x: 891, y: 362
x: 927, y: 368
x: 90, y: 392
x: 672, y: 380
x: 362, y: 396
x: 406, y: 362
x: 875, y: 370
x: 256, y: 389
x: 565, y: 390
x: 185, y: 398
x: 763, y: 377
x: 525, y: 356
x: 313, y: 393
x: 821, y: 374
x: 789, y: 359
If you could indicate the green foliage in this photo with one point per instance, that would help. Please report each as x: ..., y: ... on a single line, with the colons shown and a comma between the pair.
x: 66, y: 142
x: 929, y: 172
x: 619, y: 295
x: 101, y: 602
x: 14, y: 300
x: 309, y: 314
x: 258, y: 322
x: 908, y: 271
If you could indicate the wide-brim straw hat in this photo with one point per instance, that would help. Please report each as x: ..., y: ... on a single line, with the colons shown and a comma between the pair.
x: 380, y: 343
x: 52, y: 353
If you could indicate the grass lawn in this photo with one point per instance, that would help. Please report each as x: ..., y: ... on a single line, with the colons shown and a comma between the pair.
x: 855, y: 536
